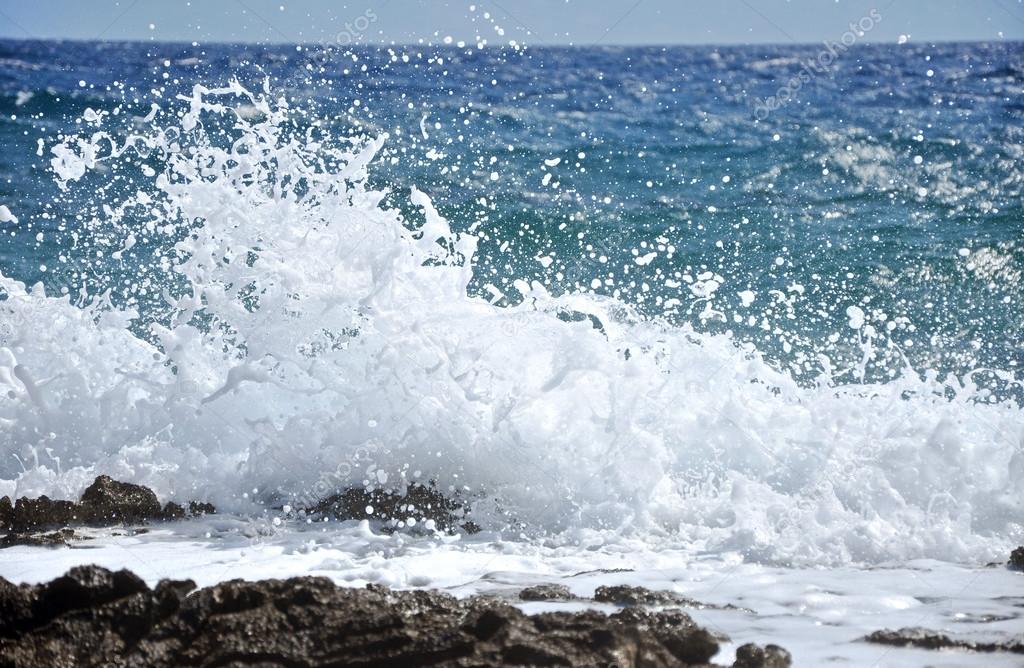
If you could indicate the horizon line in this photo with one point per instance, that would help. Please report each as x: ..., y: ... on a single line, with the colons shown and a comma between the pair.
x: 453, y: 47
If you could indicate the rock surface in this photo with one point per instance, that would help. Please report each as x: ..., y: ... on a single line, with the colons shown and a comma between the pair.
x: 770, y: 656
x: 92, y: 616
x: 108, y: 499
x: 1017, y: 559
x: 422, y: 504
x: 547, y: 592
x: 928, y: 639
x: 106, y: 502
x: 629, y: 595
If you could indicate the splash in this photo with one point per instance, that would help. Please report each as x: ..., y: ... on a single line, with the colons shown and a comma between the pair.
x: 284, y: 335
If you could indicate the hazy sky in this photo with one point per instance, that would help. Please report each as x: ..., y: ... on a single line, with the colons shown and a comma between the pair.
x: 526, y: 21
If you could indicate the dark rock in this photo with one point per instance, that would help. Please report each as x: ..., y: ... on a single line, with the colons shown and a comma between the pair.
x: 927, y: 639
x: 755, y: 656
x: 1017, y: 559
x: 31, y: 515
x: 106, y: 502
x: 6, y: 513
x: 59, y: 538
x: 109, y: 499
x: 393, y: 510
x: 547, y: 592
x: 197, y: 508
x: 629, y: 595
x: 173, y: 511
x: 92, y: 616
x: 85, y: 587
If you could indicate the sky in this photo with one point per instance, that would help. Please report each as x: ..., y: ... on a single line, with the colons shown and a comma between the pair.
x: 534, y: 22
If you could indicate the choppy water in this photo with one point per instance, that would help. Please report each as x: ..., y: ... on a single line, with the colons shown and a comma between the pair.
x: 592, y: 289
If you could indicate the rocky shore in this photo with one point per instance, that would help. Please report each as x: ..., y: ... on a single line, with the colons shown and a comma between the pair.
x: 93, y: 616
x: 106, y: 502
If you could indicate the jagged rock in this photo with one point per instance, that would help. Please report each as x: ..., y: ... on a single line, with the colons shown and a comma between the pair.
x: 92, y: 616
x: 6, y: 513
x: 629, y: 595
x: 109, y: 499
x: 755, y: 656
x: 421, y: 503
x: 173, y: 511
x: 928, y: 639
x: 1017, y: 559
x: 197, y: 508
x: 59, y: 538
x: 105, y: 502
x: 32, y: 515
x: 547, y: 592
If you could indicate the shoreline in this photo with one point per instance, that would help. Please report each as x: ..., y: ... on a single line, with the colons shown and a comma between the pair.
x: 860, y: 613
x: 91, y: 614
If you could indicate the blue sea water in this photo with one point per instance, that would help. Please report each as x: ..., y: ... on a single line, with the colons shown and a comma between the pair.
x: 891, y: 181
x: 722, y: 338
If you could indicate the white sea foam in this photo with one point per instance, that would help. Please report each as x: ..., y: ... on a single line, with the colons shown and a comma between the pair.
x: 318, y: 340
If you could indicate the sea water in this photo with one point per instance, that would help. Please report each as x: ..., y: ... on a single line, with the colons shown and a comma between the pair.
x: 598, y: 294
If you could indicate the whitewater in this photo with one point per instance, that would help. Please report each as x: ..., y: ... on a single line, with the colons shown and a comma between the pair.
x: 308, y: 337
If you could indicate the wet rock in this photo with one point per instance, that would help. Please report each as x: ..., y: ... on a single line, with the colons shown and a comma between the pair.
x: 547, y: 592
x: 84, y: 587
x: 424, y: 505
x: 198, y: 508
x: 59, y: 538
x: 173, y: 511
x: 927, y: 639
x: 1017, y: 559
x: 92, y: 616
x: 106, y: 502
x: 6, y: 513
x: 31, y: 515
x: 109, y: 499
x: 755, y: 656
x: 629, y: 595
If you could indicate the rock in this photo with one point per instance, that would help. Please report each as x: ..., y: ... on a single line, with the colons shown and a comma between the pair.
x: 31, y: 515
x: 547, y: 592
x: 421, y: 503
x: 198, y: 508
x: 106, y: 502
x: 1017, y: 559
x: 755, y: 656
x: 109, y: 499
x: 59, y: 538
x: 6, y: 513
x: 629, y: 595
x: 928, y: 639
x: 92, y: 616
x: 172, y: 511
x: 85, y: 587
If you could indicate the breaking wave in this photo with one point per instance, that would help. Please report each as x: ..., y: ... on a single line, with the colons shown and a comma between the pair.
x: 243, y: 320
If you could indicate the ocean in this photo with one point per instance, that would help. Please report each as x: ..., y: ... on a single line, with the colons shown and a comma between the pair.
x: 749, y: 312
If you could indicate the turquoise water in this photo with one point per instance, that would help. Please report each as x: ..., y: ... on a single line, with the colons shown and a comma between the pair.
x: 890, y: 183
